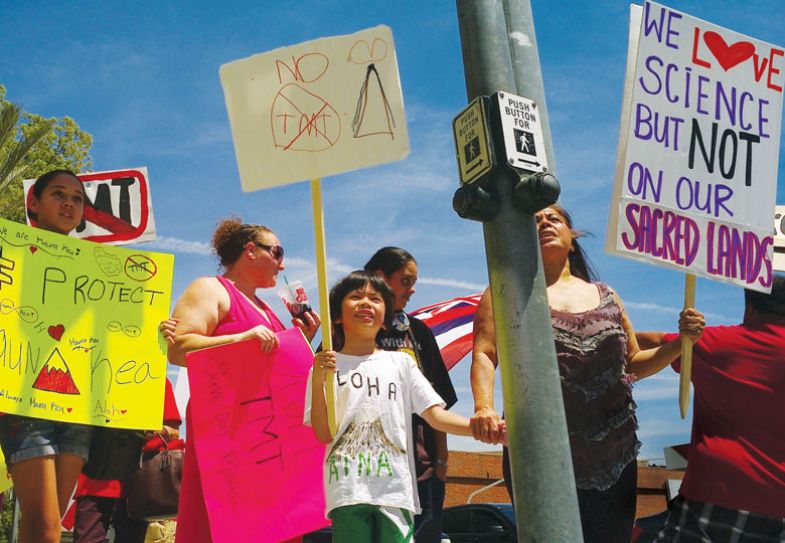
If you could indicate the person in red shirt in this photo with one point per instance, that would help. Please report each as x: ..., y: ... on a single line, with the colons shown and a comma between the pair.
x: 735, y: 480
x: 100, y: 503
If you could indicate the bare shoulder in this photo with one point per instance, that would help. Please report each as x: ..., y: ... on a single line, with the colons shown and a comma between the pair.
x: 206, y: 284
x: 205, y: 291
x: 615, y: 296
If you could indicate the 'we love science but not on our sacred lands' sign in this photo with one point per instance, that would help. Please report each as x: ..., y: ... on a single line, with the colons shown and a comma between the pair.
x: 696, y: 174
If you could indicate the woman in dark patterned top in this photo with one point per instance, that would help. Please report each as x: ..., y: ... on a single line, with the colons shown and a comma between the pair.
x: 598, y: 359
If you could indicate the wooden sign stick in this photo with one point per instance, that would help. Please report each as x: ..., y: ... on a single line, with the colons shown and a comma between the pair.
x: 324, y: 293
x: 686, y: 350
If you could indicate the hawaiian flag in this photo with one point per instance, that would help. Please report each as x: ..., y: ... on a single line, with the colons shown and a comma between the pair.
x: 451, y: 322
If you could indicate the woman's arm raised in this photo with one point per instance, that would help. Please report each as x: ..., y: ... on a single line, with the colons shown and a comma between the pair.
x: 643, y: 363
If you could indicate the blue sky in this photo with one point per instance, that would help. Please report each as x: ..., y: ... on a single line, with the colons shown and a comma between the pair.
x: 142, y: 78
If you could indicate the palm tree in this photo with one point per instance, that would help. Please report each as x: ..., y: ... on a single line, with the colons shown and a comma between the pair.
x: 31, y: 145
x: 13, y: 146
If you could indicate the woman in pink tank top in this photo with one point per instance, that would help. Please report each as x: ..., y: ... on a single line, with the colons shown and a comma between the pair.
x: 224, y: 309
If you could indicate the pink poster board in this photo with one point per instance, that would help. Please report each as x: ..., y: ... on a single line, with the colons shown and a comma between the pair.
x: 261, y: 469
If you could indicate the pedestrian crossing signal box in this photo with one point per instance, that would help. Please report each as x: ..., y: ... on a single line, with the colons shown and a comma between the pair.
x: 503, y: 125
x: 501, y: 135
x: 472, y: 141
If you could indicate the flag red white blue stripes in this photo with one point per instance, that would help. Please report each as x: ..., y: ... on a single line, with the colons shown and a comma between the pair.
x: 451, y: 322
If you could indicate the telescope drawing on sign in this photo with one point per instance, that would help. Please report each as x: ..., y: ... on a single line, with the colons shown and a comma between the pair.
x: 373, y: 115
x: 372, y: 100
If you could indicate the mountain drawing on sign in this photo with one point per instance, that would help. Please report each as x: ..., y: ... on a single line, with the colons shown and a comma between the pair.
x: 55, y: 376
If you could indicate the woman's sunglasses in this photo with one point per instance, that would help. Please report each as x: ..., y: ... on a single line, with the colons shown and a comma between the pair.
x: 276, y: 251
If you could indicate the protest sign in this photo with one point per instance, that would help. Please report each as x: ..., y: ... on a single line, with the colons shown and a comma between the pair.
x: 121, y: 209
x: 318, y: 108
x: 696, y: 173
x: 260, y: 467
x: 314, y: 109
x: 79, y: 337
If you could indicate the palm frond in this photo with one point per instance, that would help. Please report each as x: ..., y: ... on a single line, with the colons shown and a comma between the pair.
x: 12, y: 153
x: 9, y: 117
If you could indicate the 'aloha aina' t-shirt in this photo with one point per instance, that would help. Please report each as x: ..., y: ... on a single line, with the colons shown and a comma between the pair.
x: 370, y: 459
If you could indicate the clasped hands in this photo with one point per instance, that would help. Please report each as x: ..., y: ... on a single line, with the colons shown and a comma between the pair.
x: 488, y: 427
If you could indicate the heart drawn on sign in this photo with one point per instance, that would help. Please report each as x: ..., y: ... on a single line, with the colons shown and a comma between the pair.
x: 69, y: 409
x: 728, y: 55
x: 33, y: 249
x: 56, y: 332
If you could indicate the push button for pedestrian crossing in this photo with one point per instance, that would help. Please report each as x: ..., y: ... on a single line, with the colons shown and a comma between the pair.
x: 470, y: 129
x: 522, y: 130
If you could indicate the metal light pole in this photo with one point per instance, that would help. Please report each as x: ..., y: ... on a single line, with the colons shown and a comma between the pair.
x: 500, y: 54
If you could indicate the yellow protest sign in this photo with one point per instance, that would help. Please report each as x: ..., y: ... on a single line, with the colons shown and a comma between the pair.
x: 79, y: 337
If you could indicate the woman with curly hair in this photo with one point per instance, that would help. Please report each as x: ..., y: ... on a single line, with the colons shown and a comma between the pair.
x: 225, y: 309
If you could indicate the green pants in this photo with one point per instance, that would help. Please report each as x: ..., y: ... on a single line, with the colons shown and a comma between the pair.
x: 363, y: 523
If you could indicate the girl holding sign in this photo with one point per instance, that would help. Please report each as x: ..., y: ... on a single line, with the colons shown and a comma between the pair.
x: 45, y: 457
x: 598, y: 358
x: 410, y: 335
x: 224, y: 309
x: 369, y: 481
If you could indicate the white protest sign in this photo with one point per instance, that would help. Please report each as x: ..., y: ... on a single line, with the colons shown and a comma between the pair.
x: 696, y: 173
x: 121, y: 210
x: 315, y: 109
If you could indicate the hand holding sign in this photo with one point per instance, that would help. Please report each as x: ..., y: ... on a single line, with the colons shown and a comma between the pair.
x: 287, y: 109
x: 87, y: 326
x: 251, y: 436
x: 696, y: 171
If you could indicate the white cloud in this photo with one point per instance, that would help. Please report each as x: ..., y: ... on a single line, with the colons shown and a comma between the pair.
x: 462, y: 443
x: 177, y: 245
x: 656, y: 428
x: 647, y: 306
x: 210, y: 134
x: 655, y: 391
x: 442, y: 282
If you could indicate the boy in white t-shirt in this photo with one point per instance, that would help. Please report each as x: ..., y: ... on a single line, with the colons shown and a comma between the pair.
x: 369, y: 481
